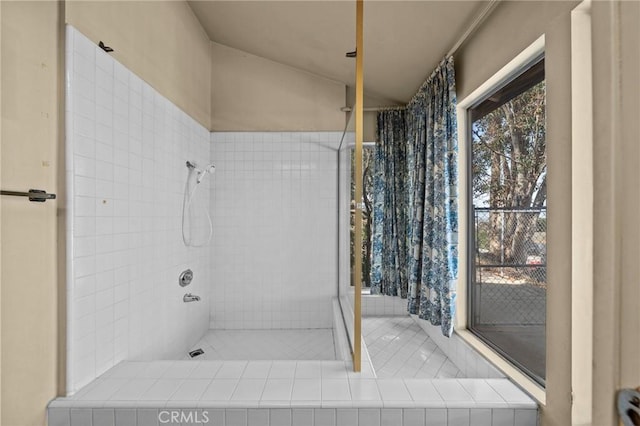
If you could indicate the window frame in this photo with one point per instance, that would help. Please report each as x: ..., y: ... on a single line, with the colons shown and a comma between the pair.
x: 529, y: 56
x: 471, y: 247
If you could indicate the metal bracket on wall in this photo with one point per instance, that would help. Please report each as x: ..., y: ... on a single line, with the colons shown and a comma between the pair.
x: 35, y: 195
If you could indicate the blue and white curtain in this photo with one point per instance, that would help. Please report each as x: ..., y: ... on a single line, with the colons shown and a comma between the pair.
x: 390, y: 208
x: 415, y: 221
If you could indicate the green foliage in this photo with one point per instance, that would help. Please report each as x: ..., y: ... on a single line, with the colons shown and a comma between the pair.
x: 509, y: 169
x: 509, y: 152
x: 367, y: 212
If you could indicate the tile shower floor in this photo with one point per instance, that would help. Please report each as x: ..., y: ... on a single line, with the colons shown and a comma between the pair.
x: 398, y: 347
x: 304, y: 344
x: 258, y: 392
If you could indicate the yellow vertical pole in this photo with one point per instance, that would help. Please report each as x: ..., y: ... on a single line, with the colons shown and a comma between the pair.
x: 357, y: 273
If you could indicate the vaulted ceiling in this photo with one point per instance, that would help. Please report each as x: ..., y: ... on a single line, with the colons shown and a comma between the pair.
x: 403, y: 40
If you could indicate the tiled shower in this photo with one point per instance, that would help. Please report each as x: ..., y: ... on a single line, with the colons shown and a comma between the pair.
x: 274, y: 248
x: 272, y: 259
x: 277, y: 259
x: 126, y: 152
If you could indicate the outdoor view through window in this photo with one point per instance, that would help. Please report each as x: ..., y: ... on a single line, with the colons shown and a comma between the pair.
x: 508, y: 213
x: 367, y: 213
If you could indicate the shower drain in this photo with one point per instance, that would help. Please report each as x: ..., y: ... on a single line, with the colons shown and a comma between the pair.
x: 196, y: 353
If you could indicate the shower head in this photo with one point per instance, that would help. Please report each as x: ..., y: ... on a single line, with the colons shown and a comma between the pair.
x: 209, y: 168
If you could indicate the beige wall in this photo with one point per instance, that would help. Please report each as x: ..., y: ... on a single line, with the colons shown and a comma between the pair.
x: 609, y: 336
x: 251, y: 93
x: 31, y: 75
x: 163, y: 43
x: 559, y: 237
x: 370, y: 118
x: 616, y: 340
x: 629, y: 55
x: 510, y: 29
x: 507, y: 31
x: 160, y: 41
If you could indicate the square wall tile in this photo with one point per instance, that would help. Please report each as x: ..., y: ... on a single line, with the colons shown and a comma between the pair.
x: 58, y: 417
x: 481, y: 417
x: 258, y: 417
x: 280, y: 417
x: 458, y: 416
x: 302, y: 416
x: 324, y: 416
x: 104, y: 417
x: 215, y: 416
x: 125, y: 417
x: 147, y: 417
x: 236, y: 417
x: 502, y: 417
x: 369, y: 417
x: 413, y: 417
x: 347, y: 417
x: 81, y: 417
x: 526, y: 417
x: 436, y: 416
x: 391, y: 416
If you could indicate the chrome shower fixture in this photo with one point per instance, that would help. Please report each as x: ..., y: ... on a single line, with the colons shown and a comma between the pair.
x: 190, y: 298
x: 201, y: 173
x: 190, y: 189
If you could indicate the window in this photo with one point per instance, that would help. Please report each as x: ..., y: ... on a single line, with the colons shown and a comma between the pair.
x: 507, y: 214
x: 368, y: 150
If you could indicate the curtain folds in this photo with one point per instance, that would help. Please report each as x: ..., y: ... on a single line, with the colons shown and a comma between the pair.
x: 415, y: 219
x: 390, y: 208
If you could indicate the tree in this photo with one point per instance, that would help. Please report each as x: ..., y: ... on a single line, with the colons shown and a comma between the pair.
x: 510, y: 167
x: 367, y: 213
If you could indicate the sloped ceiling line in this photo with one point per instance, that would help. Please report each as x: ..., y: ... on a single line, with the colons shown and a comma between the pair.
x: 404, y: 40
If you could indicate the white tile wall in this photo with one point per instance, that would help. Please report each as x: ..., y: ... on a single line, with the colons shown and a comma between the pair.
x: 126, y: 149
x: 301, y: 417
x: 283, y: 344
x: 376, y: 305
x: 275, y: 230
x: 344, y: 206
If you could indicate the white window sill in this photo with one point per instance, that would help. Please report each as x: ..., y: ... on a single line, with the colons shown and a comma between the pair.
x: 536, y: 391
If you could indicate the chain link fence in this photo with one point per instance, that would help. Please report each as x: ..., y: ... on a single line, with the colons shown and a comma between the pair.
x: 510, y: 266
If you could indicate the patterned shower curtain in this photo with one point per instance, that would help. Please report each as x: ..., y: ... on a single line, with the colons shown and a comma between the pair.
x: 415, y: 223
x: 390, y: 208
